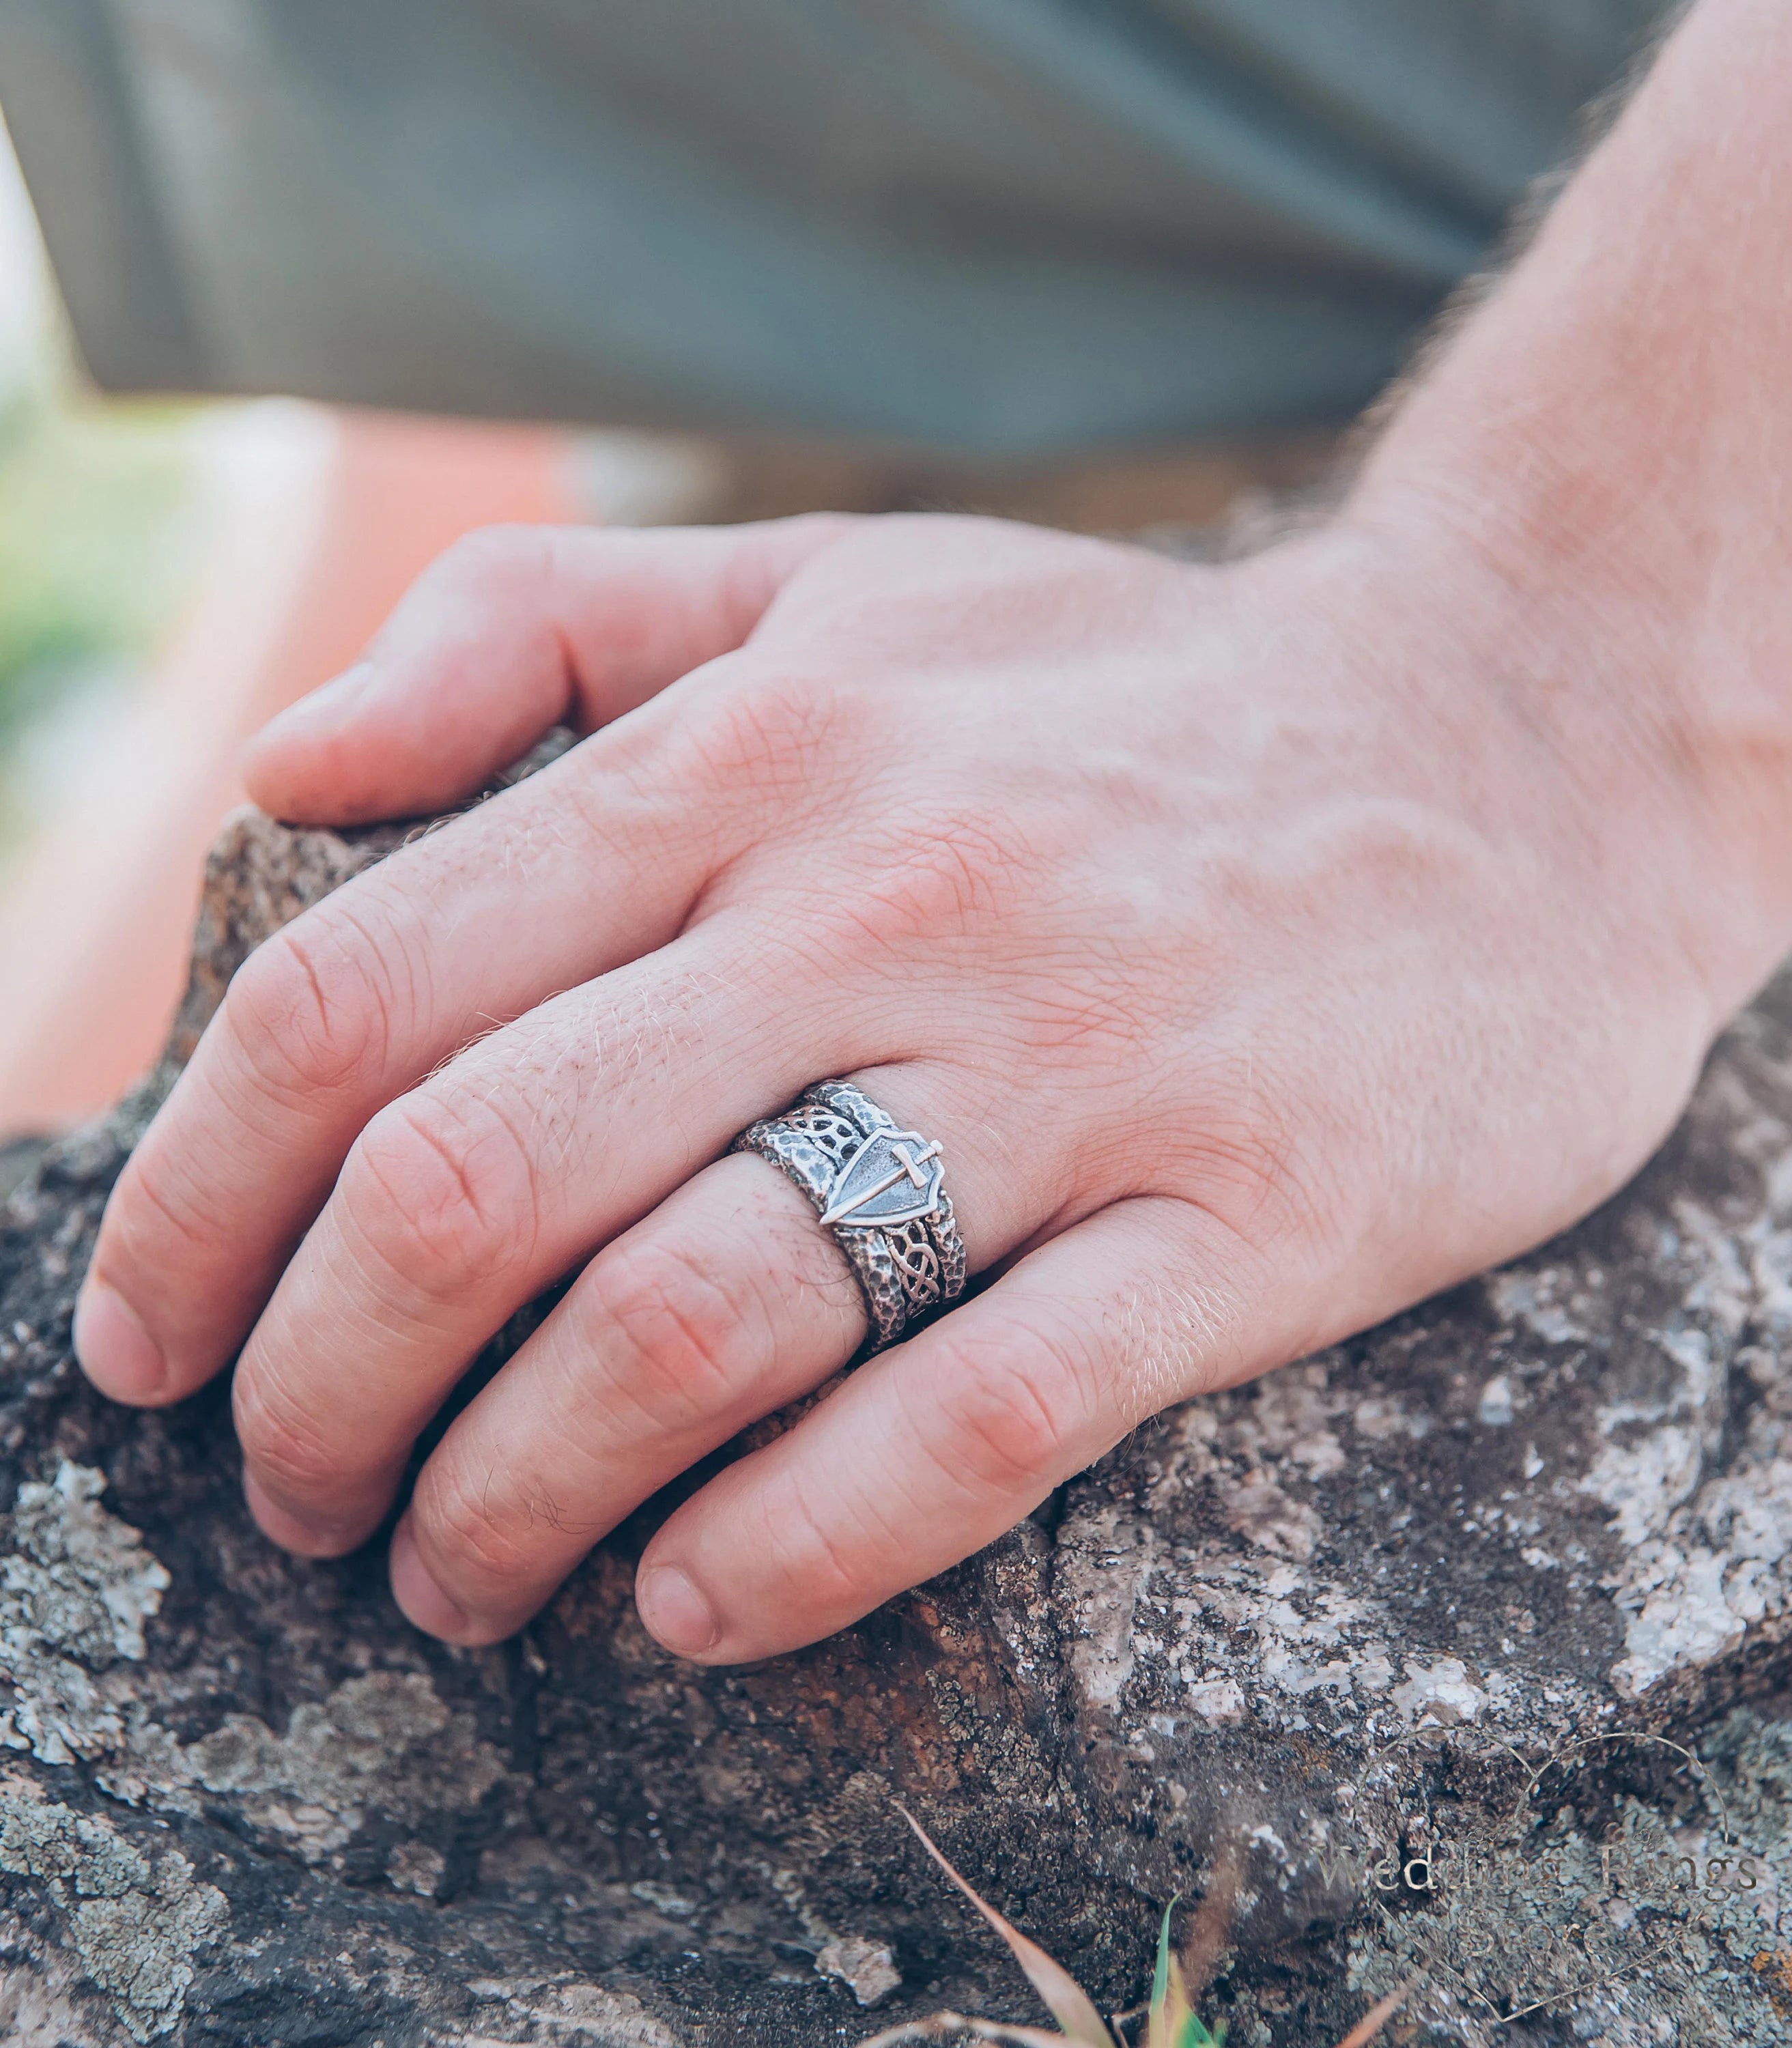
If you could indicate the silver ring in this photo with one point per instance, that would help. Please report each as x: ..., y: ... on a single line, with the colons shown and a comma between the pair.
x: 880, y: 1191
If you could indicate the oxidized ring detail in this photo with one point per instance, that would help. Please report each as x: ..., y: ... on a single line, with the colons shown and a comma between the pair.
x: 880, y: 1191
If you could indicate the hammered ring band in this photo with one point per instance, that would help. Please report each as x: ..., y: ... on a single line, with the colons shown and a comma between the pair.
x: 880, y: 1190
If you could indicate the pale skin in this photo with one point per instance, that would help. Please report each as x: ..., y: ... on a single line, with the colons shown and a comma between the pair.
x: 1267, y: 947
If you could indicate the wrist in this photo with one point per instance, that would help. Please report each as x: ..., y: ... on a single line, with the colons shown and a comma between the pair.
x: 1664, y: 819
x: 1607, y: 441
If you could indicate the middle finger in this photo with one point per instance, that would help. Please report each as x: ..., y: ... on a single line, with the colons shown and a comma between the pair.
x: 725, y: 1305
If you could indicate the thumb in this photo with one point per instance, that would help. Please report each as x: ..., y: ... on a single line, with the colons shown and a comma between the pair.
x: 514, y: 630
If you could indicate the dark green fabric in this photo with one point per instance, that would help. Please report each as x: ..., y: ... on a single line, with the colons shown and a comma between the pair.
x: 1004, y: 226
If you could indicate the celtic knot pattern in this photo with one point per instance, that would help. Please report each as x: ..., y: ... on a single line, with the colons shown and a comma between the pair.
x: 918, y: 1263
x: 905, y: 1270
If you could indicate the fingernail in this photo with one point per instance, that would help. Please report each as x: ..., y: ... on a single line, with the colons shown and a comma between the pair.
x: 116, y: 1353
x: 675, y: 1613
x: 422, y: 1602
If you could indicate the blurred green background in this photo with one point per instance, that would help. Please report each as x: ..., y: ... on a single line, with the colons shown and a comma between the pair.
x: 97, y: 520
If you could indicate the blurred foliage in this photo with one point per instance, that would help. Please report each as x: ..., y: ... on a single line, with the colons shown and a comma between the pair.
x: 95, y: 504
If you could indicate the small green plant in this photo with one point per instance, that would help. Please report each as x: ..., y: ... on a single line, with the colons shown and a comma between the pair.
x: 1170, y: 2019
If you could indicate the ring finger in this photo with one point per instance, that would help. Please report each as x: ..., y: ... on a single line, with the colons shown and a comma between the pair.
x: 727, y: 1302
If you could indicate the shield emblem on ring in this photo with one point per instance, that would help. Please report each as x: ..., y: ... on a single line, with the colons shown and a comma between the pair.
x: 893, y: 1177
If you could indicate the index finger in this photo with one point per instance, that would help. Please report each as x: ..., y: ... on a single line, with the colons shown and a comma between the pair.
x: 335, y: 1016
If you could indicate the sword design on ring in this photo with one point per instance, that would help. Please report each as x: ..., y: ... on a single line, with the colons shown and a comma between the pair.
x: 879, y: 1191
x: 871, y: 1190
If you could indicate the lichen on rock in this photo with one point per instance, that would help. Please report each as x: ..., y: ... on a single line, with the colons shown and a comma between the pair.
x: 77, y: 1587
x: 135, y: 1921
x: 583, y: 2015
x: 384, y: 1740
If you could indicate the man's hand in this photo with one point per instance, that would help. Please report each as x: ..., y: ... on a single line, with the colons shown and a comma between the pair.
x: 1267, y: 947
x: 1258, y: 969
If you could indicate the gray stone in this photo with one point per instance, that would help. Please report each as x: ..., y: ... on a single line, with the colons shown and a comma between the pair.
x: 1417, y: 1638
x: 18, y: 1157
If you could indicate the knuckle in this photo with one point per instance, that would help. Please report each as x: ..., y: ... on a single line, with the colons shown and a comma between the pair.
x: 1273, y: 1168
x: 944, y: 877
x: 1020, y: 1410
x: 485, y: 1530
x: 691, y: 1337
x: 809, y: 1552
x: 767, y: 733
x: 493, y: 560
x: 157, y: 1213
x: 282, y: 1441
x: 442, y: 1191
x: 310, y: 1010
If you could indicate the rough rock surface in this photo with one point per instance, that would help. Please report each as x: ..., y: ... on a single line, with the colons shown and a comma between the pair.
x: 1459, y: 1644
